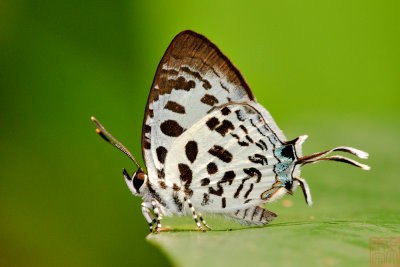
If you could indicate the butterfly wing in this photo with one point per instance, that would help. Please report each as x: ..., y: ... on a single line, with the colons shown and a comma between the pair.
x: 193, y: 77
x: 226, y: 161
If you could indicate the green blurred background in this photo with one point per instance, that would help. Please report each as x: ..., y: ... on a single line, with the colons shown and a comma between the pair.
x: 329, y: 69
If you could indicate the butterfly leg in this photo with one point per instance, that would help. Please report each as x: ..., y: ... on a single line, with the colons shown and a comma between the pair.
x: 157, y: 212
x: 187, y: 200
x: 146, y: 206
x: 203, y: 221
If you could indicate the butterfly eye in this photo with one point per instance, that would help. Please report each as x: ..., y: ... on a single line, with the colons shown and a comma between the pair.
x: 138, y: 180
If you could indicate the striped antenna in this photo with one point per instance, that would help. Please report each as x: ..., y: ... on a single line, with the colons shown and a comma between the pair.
x: 110, y: 139
x: 320, y: 156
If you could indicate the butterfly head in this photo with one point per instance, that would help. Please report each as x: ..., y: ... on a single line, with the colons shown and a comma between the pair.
x: 137, y: 182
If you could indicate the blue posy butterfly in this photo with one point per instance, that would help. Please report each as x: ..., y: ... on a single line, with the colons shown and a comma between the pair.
x: 209, y: 147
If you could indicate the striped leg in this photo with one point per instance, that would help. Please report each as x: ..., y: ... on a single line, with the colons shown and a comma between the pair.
x: 187, y: 200
x: 203, y: 221
x: 146, y: 206
x: 157, y: 212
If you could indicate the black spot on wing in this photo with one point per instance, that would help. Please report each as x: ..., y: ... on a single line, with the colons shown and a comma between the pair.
x: 209, y: 100
x: 236, y: 195
x: 205, y: 181
x: 170, y: 72
x: 186, y: 176
x: 181, y: 84
x: 147, y: 128
x: 262, y: 145
x: 225, y: 127
x: 239, y: 189
x: 161, y: 173
x: 256, y: 211
x: 225, y: 111
x: 226, y: 89
x: 206, y: 83
x: 236, y: 136
x: 258, y: 129
x: 162, y: 184
x: 206, y: 199
x: 191, y: 150
x: 175, y: 107
x: 221, y: 153
x: 244, y: 129
x: 259, y: 159
x: 249, y: 191
x: 241, y: 143
x: 171, y: 128
x: 217, y: 192
x: 245, y: 213
x: 240, y: 115
x: 249, y: 139
x: 147, y: 144
x: 212, y: 168
x: 161, y: 154
x: 176, y: 187
x: 228, y: 177
x: 212, y: 123
x: 251, y: 172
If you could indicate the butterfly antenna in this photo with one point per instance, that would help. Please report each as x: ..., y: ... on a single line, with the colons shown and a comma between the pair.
x: 110, y: 139
x: 321, y: 156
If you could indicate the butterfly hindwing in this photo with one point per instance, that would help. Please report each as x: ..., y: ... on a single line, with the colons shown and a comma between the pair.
x: 193, y: 77
x: 226, y: 160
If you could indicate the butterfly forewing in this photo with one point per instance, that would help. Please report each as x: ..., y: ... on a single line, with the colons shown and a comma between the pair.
x: 226, y: 160
x: 192, y: 78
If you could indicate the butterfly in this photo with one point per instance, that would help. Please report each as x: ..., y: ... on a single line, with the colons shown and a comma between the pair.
x: 209, y: 146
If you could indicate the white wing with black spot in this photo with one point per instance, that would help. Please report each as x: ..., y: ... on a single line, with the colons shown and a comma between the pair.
x: 193, y: 77
x: 226, y: 161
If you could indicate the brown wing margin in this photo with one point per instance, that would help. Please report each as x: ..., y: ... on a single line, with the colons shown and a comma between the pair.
x: 185, y: 47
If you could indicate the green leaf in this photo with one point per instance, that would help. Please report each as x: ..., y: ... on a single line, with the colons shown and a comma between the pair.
x: 323, y: 242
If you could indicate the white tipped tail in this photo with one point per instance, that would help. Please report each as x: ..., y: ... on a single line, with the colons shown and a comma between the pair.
x: 321, y: 156
x: 306, y: 190
x: 356, y: 152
